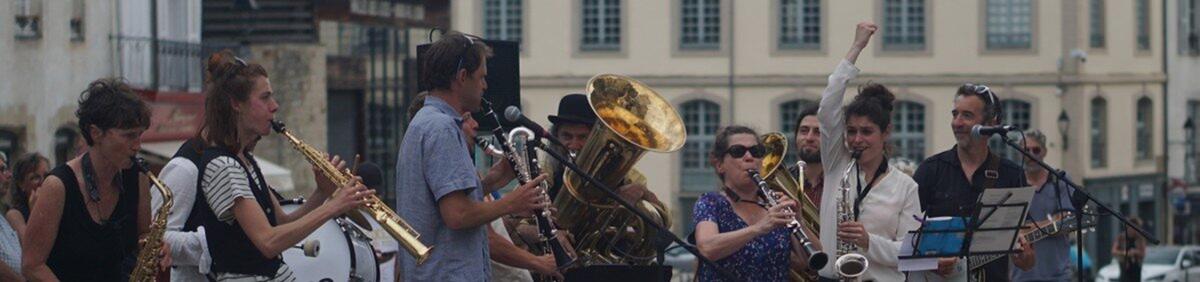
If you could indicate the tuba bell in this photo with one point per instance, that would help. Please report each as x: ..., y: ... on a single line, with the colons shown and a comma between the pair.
x: 633, y: 119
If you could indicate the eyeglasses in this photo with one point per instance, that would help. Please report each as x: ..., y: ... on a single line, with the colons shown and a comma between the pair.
x: 463, y: 54
x: 1034, y: 150
x: 982, y: 90
x: 737, y: 151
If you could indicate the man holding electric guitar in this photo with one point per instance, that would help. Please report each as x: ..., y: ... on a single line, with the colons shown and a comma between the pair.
x: 1046, y: 210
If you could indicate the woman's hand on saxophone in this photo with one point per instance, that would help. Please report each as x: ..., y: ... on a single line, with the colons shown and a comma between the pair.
x: 854, y: 232
x: 349, y: 197
x: 164, y: 262
x: 777, y: 216
x: 324, y: 184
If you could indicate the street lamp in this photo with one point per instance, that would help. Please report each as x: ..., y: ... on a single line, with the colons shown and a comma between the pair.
x: 1064, y: 124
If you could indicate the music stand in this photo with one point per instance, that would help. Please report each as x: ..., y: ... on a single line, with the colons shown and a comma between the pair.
x: 995, y: 219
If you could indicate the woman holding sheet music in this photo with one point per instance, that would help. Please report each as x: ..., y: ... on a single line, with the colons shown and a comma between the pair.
x: 882, y: 199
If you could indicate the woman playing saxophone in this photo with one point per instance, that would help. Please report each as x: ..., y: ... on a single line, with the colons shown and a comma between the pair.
x: 871, y: 205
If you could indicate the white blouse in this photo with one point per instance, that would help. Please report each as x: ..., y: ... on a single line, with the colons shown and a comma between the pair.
x: 889, y: 210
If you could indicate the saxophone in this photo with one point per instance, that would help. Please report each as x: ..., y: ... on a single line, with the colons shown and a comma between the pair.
x: 850, y: 265
x: 388, y: 219
x: 148, y: 256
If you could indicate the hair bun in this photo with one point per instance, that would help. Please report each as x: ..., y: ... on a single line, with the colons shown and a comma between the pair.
x: 220, y: 64
x: 879, y: 94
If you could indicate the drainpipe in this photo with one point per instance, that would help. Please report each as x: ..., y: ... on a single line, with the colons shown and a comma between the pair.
x: 1166, y: 136
x: 732, y: 56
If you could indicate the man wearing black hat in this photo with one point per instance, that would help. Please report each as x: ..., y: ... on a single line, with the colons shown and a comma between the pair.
x: 571, y: 126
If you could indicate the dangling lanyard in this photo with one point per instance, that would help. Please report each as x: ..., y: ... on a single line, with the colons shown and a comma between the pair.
x: 862, y: 193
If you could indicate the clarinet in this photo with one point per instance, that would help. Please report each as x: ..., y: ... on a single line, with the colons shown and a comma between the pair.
x: 518, y: 151
x: 816, y: 258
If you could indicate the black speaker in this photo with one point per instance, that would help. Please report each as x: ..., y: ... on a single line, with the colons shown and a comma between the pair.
x: 503, y: 79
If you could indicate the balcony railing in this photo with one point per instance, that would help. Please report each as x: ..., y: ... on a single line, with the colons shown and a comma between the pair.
x: 160, y: 64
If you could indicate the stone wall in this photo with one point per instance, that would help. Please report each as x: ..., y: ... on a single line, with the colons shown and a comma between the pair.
x: 297, y: 73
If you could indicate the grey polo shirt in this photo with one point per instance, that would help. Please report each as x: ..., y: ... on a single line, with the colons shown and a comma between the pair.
x: 433, y: 162
x: 1053, y: 253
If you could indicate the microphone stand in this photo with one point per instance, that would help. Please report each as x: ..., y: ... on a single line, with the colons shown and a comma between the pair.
x: 1060, y: 175
x: 608, y: 191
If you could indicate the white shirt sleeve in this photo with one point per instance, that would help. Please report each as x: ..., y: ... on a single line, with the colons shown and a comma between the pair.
x: 187, y: 248
x: 834, y: 155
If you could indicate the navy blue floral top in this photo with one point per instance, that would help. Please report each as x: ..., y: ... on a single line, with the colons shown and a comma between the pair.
x: 763, y: 259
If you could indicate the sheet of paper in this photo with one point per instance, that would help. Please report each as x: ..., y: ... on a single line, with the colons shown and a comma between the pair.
x: 1001, y: 240
x: 915, y: 264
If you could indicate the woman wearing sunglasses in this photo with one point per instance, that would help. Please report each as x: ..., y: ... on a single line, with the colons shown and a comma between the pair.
x: 734, y: 226
x: 882, y: 200
x: 28, y: 173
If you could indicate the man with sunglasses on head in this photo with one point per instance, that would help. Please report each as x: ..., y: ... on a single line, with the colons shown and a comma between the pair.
x: 950, y: 182
x: 438, y: 190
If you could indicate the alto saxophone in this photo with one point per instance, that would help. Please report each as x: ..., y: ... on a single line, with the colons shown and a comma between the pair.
x: 850, y: 265
x: 388, y: 219
x: 148, y: 256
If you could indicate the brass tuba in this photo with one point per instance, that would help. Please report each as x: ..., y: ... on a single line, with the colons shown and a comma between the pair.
x: 633, y: 119
x: 779, y: 179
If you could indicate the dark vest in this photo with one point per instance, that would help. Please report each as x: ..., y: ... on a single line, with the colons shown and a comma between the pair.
x: 230, y: 248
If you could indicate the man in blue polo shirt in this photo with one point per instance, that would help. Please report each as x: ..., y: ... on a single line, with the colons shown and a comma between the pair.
x: 437, y: 189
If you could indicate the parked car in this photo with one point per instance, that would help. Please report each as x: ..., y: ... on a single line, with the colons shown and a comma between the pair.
x: 1162, y: 264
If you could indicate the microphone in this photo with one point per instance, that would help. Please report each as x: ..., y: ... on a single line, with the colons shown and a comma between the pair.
x: 513, y: 114
x: 980, y: 131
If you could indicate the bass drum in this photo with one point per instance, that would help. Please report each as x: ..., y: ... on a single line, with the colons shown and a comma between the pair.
x: 344, y: 253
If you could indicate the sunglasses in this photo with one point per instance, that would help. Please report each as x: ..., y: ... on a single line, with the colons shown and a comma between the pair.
x: 463, y: 54
x: 982, y: 90
x: 737, y: 151
x: 1034, y: 150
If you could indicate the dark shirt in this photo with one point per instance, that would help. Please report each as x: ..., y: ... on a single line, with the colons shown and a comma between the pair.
x: 86, y: 250
x: 945, y: 191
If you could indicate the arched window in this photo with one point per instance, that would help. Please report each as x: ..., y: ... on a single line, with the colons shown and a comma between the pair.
x: 9, y: 144
x: 1098, y: 132
x: 789, y: 116
x: 702, y: 118
x: 64, y: 144
x: 1016, y: 113
x: 908, y: 131
x: 1145, y: 128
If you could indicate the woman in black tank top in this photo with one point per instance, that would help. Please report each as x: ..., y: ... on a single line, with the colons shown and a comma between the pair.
x: 91, y: 210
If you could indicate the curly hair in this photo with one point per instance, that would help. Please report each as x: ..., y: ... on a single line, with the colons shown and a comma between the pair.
x: 109, y: 103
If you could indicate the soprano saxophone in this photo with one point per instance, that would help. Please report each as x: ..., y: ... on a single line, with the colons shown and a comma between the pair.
x: 148, y: 256
x: 375, y: 207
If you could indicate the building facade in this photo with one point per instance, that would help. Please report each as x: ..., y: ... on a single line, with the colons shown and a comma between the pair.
x: 1183, y: 93
x: 759, y: 62
x: 50, y: 51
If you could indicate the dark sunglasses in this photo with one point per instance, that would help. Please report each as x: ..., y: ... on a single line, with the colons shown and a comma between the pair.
x: 1034, y: 150
x: 737, y: 151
